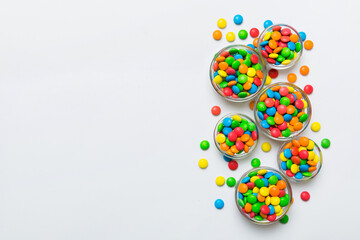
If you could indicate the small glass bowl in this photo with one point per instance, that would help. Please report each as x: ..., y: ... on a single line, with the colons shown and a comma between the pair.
x: 287, y: 190
x: 241, y: 154
x: 307, y: 110
x: 219, y: 90
x: 293, y: 61
x: 287, y: 172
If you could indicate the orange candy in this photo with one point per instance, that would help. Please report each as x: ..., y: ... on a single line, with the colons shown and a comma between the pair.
x: 243, y: 188
x: 296, y: 143
x: 224, y: 146
x: 255, y: 42
x: 245, y: 137
x: 259, y: 74
x: 308, y: 44
x: 277, y: 50
x: 292, y: 77
x: 248, y: 207
x: 250, y: 142
x: 312, y: 169
x: 290, y: 109
x: 304, y: 70
x: 281, y: 184
x: 273, y: 44
x: 274, y: 191
x: 234, y: 149
x: 304, y: 141
x: 288, y: 145
x: 298, y: 126
x: 246, y: 148
x: 243, y: 68
x: 217, y: 35
x: 294, y: 120
x: 223, y: 65
x: 276, y: 35
x: 229, y: 152
x: 247, y: 85
x: 279, y: 119
x: 260, y: 198
x: 298, y: 95
x: 232, y: 83
x: 251, y: 105
x: 294, y: 38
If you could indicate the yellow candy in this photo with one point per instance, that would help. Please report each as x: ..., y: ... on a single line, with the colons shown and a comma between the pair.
x: 255, y: 190
x: 267, y: 36
x: 302, y: 148
x: 218, y: 79
x: 275, y: 201
x: 203, y: 163
x: 291, y: 89
x: 222, y: 73
x: 311, y: 155
x: 286, y: 62
x: 305, y: 103
x: 295, y: 55
x: 294, y: 168
x: 266, y: 147
x: 264, y: 191
x: 236, y: 118
x: 220, y: 180
x: 251, y: 72
x: 315, y: 126
x: 311, y: 145
x: 282, y: 157
x: 277, y: 208
x: 279, y: 213
x: 268, y: 200
x: 230, y: 36
x: 273, y: 55
x: 254, y: 178
x: 262, y: 171
x: 316, y: 159
x: 220, y: 138
x: 221, y: 23
x: 250, y: 79
x: 268, y: 80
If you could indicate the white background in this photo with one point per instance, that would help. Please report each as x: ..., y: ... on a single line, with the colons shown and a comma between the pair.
x: 103, y: 105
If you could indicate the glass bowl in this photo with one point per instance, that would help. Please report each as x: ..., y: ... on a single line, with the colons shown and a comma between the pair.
x: 264, y: 51
x: 231, y: 140
x: 230, y: 84
x: 292, y: 129
x: 275, y: 193
x: 306, y: 166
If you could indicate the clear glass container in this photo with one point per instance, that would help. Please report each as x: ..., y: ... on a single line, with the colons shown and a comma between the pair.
x: 317, y: 152
x: 307, y: 110
x: 242, y: 154
x: 287, y: 190
x: 293, y: 61
x: 219, y: 90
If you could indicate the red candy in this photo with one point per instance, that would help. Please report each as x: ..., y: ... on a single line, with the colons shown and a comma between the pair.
x: 239, y: 131
x: 289, y: 173
x: 232, y: 136
x: 233, y: 165
x: 250, y: 185
x: 227, y: 91
x: 254, y: 59
x: 286, y: 31
x: 308, y: 89
x: 272, y: 217
x: 284, y: 91
x: 273, y: 73
x: 299, y: 104
x: 254, y: 32
x: 215, y: 110
x: 239, y: 145
x: 282, y: 109
x: 305, y: 196
x: 265, y: 209
x: 275, y: 132
x: 269, y: 102
x: 303, y: 154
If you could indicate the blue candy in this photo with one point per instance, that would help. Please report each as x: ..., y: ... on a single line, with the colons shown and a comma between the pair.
x: 264, y: 43
x: 219, y: 203
x: 260, y: 115
x: 283, y: 166
x: 304, y: 168
x: 226, y: 158
x: 265, y: 124
x: 272, y: 209
x: 268, y: 23
x: 240, y: 195
x: 238, y: 56
x: 302, y: 35
x: 287, y: 117
x: 235, y: 89
x: 255, y: 194
x: 230, y: 78
x: 270, y: 93
x: 294, y: 96
x: 247, y: 132
x: 251, y: 46
x: 277, y: 95
x: 227, y: 130
x: 271, y: 111
x: 291, y: 46
x: 278, y: 176
x: 268, y: 175
x: 216, y: 73
x: 245, y: 180
x: 238, y: 19
x: 266, y: 182
x: 277, y: 63
x: 253, y: 89
x: 227, y: 122
x: 287, y: 153
x: 298, y: 175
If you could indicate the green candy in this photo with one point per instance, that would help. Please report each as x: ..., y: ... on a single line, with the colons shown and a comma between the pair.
x: 284, y: 101
x: 256, y: 207
x: 243, y: 52
x: 223, y: 84
x: 244, y: 120
x: 257, y: 66
x: 251, y: 126
x: 289, y: 163
x: 242, y: 95
x: 241, y: 203
x: 255, y: 163
x: 204, y: 145
x: 242, y: 78
x: 243, y: 34
x: 325, y: 143
x: 307, y: 174
x: 280, y: 58
x: 295, y: 113
x: 270, y: 120
x: 286, y: 132
x: 297, y: 47
x: 258, y: 218
x: 252, y: 199
x: 235, y: 124
x: 244, y: 125
x: 284, y: 201
x: 285, y: 52
x: 236, y: 64
x: 220, y: 127
x: 231, y: 181
x: 259, y: 183
x: 247, y: 62
x: 252, y: 174
x: 284, y: 219
x: 260, y: 106
x: 273, y: 179
x: 247, y: 193
x: 303, y: 117
x: 240, y: 87
x: 245, y: 200
x: 229, y: 143
x: 230, y: 60
x: 233, y: 51
x: 303, y: 162
x: 291, y: 56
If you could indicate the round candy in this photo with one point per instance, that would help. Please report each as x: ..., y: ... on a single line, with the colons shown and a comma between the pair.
x: 266, y: 147
x: 233, y: 165
x: 292, y: 77
x: 308, y: 89
x: 204, y: 145
x: 325, y: 143
x: 230, y: 36
x: 255, y: 163
x: 243, y: 34
x: 219, y: 203
x: 221, y: 23
x: 302, y: 36
x: 315, y: 126
x: 203, y: 163
x: 308, y: 44
x: 273, y: 73
x: 284, y: 219
x: 268, y: 80
x: 304, y: 70
x: 231, y: 181
x: 254, y: 32
x: 215, y: 110
x: 305, y: 196
x: 220, y: 181
x: 268, y: 23
x: 238, y: 19
x: 217, y: 35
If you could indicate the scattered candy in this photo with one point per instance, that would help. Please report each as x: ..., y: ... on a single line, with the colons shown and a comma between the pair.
x: 325, y: 143
x: 281, y: 111
x: 315, y: 126
x: 221, y: 23
x: 203, y: 163
x: 255, y: 162
x: 233, y: 165
x: 273, y: 73
x: 292, y: 77
x: 237, y: 72
x: 204, y: 145
x: 215, y: 110
x: 217, y: 35
x: 284, y: 219
x: 230, y: 36
x: 243, y: 34
x: 268, y: 80
x: 308, y: 44
x: 308, y: 89
x: 300, y: 158
x: 227, y: 159
x: 302, y: 35
x: 268, y: 23
x: 279, y: 46
x: 236, y: 135
x: 304, y: 70
x: 264, y: 195
x: 255, y: 42
x: 220, y: 181
x: 266, y: 147
x: 238, y: 19
x: 305, y: 196
x: 251, y: 105
x: 254, y: 32
x: 219, y: 203
x: 231, y: 182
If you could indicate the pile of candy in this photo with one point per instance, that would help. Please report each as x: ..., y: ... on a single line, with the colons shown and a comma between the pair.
x: 300, y: 159
x: 281, y: 110
x: 280, y: 45
x: 237, y: 73
x: 263, y: 195
x: 236, y: 135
